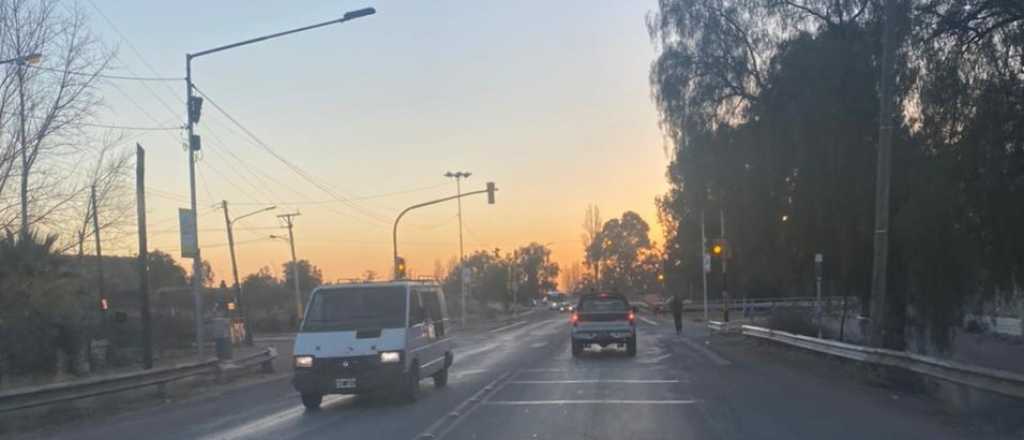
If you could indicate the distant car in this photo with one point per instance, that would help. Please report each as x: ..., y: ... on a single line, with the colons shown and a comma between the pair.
x: 566, y: 306
x: 603, y: 319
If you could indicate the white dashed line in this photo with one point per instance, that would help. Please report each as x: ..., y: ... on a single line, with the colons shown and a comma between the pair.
x: 514, y: 324
x: 630, y: 381
x: 590, y: 402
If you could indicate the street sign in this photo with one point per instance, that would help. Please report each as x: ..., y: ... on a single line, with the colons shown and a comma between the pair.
x: 707, y: 263
x: 187, y: 225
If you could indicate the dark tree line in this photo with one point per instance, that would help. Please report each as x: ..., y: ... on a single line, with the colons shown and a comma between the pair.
x: 772, y: 108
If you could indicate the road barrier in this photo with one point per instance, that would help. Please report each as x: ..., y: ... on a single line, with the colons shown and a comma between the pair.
x: 65, y: 392
x: 761, y: 303
x: 725, y: 327
x: 988, y: 379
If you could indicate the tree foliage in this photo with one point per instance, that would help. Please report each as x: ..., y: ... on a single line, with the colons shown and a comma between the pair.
x: 772, y: 110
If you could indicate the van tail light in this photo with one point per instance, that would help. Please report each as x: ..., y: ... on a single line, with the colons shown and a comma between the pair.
x: 574, y: 318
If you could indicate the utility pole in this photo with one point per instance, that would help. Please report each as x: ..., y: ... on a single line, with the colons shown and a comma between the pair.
x: 705, y: 259
x: 140, y: 204
x: 295, y: 264
x: 725, y: 266
x: 458, y: 176
x: 99, y: 260
x: 231, y: 252
x: 879, y: 269
x: 193, y: 106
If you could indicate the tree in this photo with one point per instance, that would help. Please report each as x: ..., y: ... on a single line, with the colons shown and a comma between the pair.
x: 535, y: 272
x: 165, y: 272
x: 208, y: 275
x: 42, y: 110
x: 310, y: 277
x: 572, y: 277
x: 591, y: 243
x: 620, y: 244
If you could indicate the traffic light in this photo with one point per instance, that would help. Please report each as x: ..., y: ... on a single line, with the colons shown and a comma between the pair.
x: 720, y: 248
x: 231, y: 306
x: 195, y: 108
x: 490, y: 193
x: 104, y: 305
x: 400, y: 270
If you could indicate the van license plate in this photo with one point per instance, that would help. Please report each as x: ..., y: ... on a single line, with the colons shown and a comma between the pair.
x: 344, y: 384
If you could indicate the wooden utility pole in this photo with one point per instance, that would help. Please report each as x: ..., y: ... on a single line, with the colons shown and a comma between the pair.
x: 140, y: 197
x: 295, y: 264
x: 879, y: 269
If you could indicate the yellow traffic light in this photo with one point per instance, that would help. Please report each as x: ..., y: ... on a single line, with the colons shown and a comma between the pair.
x: 661, y: 277
x: 717, y: 249
x: 231, y: 306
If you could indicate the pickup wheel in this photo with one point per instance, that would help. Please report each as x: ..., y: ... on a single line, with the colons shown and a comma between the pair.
x: 631, y: 347
x: 577, y: 349
x: 312, y: 401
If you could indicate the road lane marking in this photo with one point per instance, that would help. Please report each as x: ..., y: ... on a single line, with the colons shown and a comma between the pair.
x: 538, y: 345
x: 710, y: 354
x: 570, y: 381
x: 651, y: 322
x: 438, y: 429
x: 589, y: 402
x: 542, y: 370
x: 248, y: 430
x: 467, y: 372
x: 514, y: 324
x: 659, y: 358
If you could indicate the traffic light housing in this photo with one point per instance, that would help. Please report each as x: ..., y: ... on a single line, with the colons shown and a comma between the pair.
x: 400, y: 269
x: 490, y: 193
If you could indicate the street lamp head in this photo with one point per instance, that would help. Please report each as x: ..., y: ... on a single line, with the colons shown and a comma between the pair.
x: 351, y: 15
x: 449, y: 174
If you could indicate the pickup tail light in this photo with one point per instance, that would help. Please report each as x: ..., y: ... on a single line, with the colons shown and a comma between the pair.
x: 632, y: 318
x: 574, y: 318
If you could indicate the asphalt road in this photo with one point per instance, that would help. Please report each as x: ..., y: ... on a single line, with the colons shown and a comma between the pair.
x: 520, y: 382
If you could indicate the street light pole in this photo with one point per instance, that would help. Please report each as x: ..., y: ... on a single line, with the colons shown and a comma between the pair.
x: 234, y: 265
x: 458, y: 176
x: 192, y: 107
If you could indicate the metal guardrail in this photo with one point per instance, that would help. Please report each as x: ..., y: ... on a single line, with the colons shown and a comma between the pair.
x: 988, y: 379
x: 720, y: 326
x: 65, y: 392
x: 739, y: 304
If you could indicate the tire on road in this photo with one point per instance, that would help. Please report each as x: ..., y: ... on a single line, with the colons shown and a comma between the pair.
x: 411, y: 386
x: 631, y: 347
x: 312, y: 401
x: 441, y: 377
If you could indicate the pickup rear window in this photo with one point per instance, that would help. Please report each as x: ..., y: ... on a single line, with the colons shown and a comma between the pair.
x: 603, y: 305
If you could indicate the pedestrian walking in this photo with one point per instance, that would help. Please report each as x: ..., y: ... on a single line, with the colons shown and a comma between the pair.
x: 677, y: 313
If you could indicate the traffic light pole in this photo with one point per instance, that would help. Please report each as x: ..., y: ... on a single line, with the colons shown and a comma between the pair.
x: 725, y: 271
x: 394, y: 230
x: 704, y: 266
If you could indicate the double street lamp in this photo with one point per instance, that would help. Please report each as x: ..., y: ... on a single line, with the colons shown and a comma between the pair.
x: 193, y: 106
x: 230, y: 223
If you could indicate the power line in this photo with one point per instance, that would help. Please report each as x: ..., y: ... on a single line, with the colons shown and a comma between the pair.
x: 369, y: 197
x: 127, y: 127
x: 106, y: 76
x: 294, y: 168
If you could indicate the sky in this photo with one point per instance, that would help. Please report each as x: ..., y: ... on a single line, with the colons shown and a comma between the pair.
x: 549, y: 100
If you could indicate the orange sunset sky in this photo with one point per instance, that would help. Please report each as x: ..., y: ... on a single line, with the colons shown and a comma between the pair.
x: 550, y: 100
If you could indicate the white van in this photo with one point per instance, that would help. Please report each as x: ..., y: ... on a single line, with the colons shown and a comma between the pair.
x: 368, y: 337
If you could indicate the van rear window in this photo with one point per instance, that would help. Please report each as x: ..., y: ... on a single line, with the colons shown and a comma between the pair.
x: 355, y: 308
